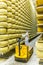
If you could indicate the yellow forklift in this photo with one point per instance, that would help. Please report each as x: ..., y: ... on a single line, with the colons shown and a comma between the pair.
x: 23, y: 52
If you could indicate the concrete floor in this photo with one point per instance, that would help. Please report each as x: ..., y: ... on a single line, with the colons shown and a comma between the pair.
x: 33, y: 60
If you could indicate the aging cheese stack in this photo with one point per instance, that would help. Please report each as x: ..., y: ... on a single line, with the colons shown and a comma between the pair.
x: 40, y: 15
x: 16, y: 17
x: 3, y: 26
x: 39, y: 48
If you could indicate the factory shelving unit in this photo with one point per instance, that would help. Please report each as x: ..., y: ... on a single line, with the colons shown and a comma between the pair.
x: 16, y: 17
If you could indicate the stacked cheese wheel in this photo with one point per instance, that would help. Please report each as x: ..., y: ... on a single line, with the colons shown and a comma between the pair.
x: 39, y: 48
x: 16, y: 17
x: 3, y: 26
x: 40, y: 15
x: 39, y: 44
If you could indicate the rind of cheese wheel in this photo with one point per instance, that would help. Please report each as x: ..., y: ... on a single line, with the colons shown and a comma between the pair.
x: 9, y: 9
x: 12, y: 41
x: 13, y: 6
x: 9, y: 20
x: 15, y: 31
x: 9, y: 25
x: 14, y: 1
x: 3, y: 12
x: 3, y: 31
x: 3, y: 43
x: 39, y: 2
x: 4, y: 24
x: 12, y: 46
x: 9, y: 14
x: 9, y: 3
x: 13, y: 11
x: 11, y: 36
x: 3, y: 18
x: 4, y: 37
x: 11, y: 31
x: 39, y: 54
x: 39, y: 46
x: 3, y: 5
x: 4, y: 50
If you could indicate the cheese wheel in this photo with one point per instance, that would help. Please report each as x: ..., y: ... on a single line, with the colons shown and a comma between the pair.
x: 3, y: 24
x: 40, y: 29
x: 15, y: 31
x: 2, y: 0
x: 4, y: 50
x: 3, y: 5
x: 39, y: 2
x: 4, y: 37
x: 12, y: 41
x: 13, y: 1
x: 9, y: 3
x: 13, y: 11
x: 39, y: 9
x: 40, y: 22
x: 11, y: 36
x: 3, y: 18
x: 40, y: 16
x: 39, y: 54
x: 11, y: 31
x: 39, y: 46
x: 3, y: 43
x: 9, y: 14
x: 9, y: 25
x: 9, y: 20
x: 13, y: 6
x: 12, y: 46
x: 9, y: 9
x: 3, y: 31
x: 3, y: 12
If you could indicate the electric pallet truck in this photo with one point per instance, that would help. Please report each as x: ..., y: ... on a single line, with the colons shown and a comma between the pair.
x: 23, y: 52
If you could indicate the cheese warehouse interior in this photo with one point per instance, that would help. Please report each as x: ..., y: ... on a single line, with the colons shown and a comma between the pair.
x: 21, y: 32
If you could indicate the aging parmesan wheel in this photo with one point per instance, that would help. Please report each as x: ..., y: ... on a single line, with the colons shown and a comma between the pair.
x: 9, y: 15
x: 13, y: 11
x: 4, y: 37
x: 3, y: 12
x: 8, y: 3
x: 13, y: 6
x: 12, y: 41
x: 39, y: 2
x: 40, y: 16
x: 3, y: 5
x: 3, y: 31
x: 12, y: 46
x: 4, y: 24
x: 4, y: 50
x: 3, y: 18
x: 2, y: 0
x: 9, y: 25
x: 39, y: 46
x: 9, y: 9
x: 39, y: 54
x: 9, y: 20
x: 11, y: 31
x: 3, y: 43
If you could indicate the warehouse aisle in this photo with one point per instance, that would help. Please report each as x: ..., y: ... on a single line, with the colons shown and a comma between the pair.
x: 33, y: 60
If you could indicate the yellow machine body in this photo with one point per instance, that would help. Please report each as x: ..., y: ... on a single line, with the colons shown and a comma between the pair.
x: 25, y: 53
